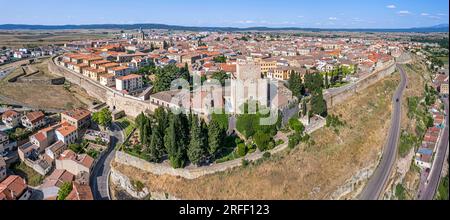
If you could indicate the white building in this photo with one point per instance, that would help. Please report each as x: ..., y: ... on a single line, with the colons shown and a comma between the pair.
x: 130, y: 83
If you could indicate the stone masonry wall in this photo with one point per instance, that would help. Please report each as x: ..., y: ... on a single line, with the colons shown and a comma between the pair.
x: 334, y: 97
x: 130, y: 105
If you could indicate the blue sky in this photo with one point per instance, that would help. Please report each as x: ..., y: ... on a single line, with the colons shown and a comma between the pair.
x: 235, y: 13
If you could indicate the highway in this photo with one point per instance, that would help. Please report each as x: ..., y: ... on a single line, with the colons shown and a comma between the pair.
x: 377, y: 182
x: 100, y: 173
x: 435, y: 174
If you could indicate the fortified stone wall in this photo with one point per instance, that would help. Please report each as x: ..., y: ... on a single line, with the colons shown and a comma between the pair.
x: 130, y: 105
x: 334, y: 97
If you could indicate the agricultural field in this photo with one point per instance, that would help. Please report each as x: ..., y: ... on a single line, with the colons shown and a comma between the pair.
x: 18, y: 39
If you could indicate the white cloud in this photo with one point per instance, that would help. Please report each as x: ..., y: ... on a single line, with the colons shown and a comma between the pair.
x: 391, y: 6
x: 404, y: 12
x: 434, y: 17
x: 300, y: 16
x: 441, y: 14
x: 332, y: 18
x: 424, y: 14
x: 246, y: 22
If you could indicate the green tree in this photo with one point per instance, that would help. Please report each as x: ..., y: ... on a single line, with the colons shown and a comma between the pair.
x: 156, y: 148
x: 318, y: 104
x: 64, y: 190
x: 103, y: 117
x: 77, y: 148
x: 175, y: 141
x: 196, y: 147
x: 222, y: 119
x: 216, y: 136
x: 296, y: 85
x: 326, y: 81
x: 304, y: 107
x: 165, y: 75
x: 220, y: 59
x: 161, y: 118
x: 241, y: 149
x: 221, y: 76
x: 144, y: 125
x: 296, y: 125
x: 262, y: 140
x: 314, y: 82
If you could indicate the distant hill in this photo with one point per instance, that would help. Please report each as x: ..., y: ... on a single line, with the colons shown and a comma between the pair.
x: 436, y: 28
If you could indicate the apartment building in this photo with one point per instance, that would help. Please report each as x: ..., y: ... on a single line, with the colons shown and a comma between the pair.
x: 108, y: 80
x: 79, y: 118
x: 11, y: 118
x: 33, y: 120
x: 130, y: 83
x: 67, y: 134
x: 119, y: 71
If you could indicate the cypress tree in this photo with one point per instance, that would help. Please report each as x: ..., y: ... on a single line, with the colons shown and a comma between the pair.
x: 215, y: 137
x: 195, y: 151
x: 156, y: 149
x: 171, y: 141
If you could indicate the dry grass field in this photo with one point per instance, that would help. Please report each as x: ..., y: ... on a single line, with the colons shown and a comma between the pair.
x: 312, y: 172
x: 17, y: 39
x: 38, y: 95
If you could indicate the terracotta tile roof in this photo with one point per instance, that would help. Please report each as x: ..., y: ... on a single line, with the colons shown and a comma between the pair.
x: 66, y: 130
x: 100, y: 62
x: 119, y: 68
x: 9, y: 113
x: 86, y: 160
x: 34, y: 117
x: 57, y: 178
x: 83, y: 159
x: 78, y: 113
x: 40, y: 136
x: 128, y: 77
x: 80, y: 192
x: 95, y: 70
x: 12, y: 187
x: 109, y: 65
x: 108, y: 76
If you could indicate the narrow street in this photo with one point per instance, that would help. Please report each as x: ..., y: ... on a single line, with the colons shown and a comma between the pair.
x: 100, y: 173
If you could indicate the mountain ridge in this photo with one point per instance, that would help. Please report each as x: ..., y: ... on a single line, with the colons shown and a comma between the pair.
x: 435, y: 28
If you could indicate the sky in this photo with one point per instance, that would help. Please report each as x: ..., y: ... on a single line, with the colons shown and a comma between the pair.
x: 230, y: 13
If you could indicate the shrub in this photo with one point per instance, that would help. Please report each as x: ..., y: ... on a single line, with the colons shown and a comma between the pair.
x: 241, y: 149
x: 64, y: 191
x: 296, y: 125
x: 400, y: 192
x: 266, y: 155
x: 294, y: 140
x: 271, y: 145
x: 245, y: 163
x: 262, y: 140
x: 137, y: 185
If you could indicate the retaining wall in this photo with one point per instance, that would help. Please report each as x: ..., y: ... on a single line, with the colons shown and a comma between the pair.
x: 132, y: 106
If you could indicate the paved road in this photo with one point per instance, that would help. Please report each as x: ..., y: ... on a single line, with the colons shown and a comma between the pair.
x: 377, y: 182
x: 435, y: 174
x: 100, y: 173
